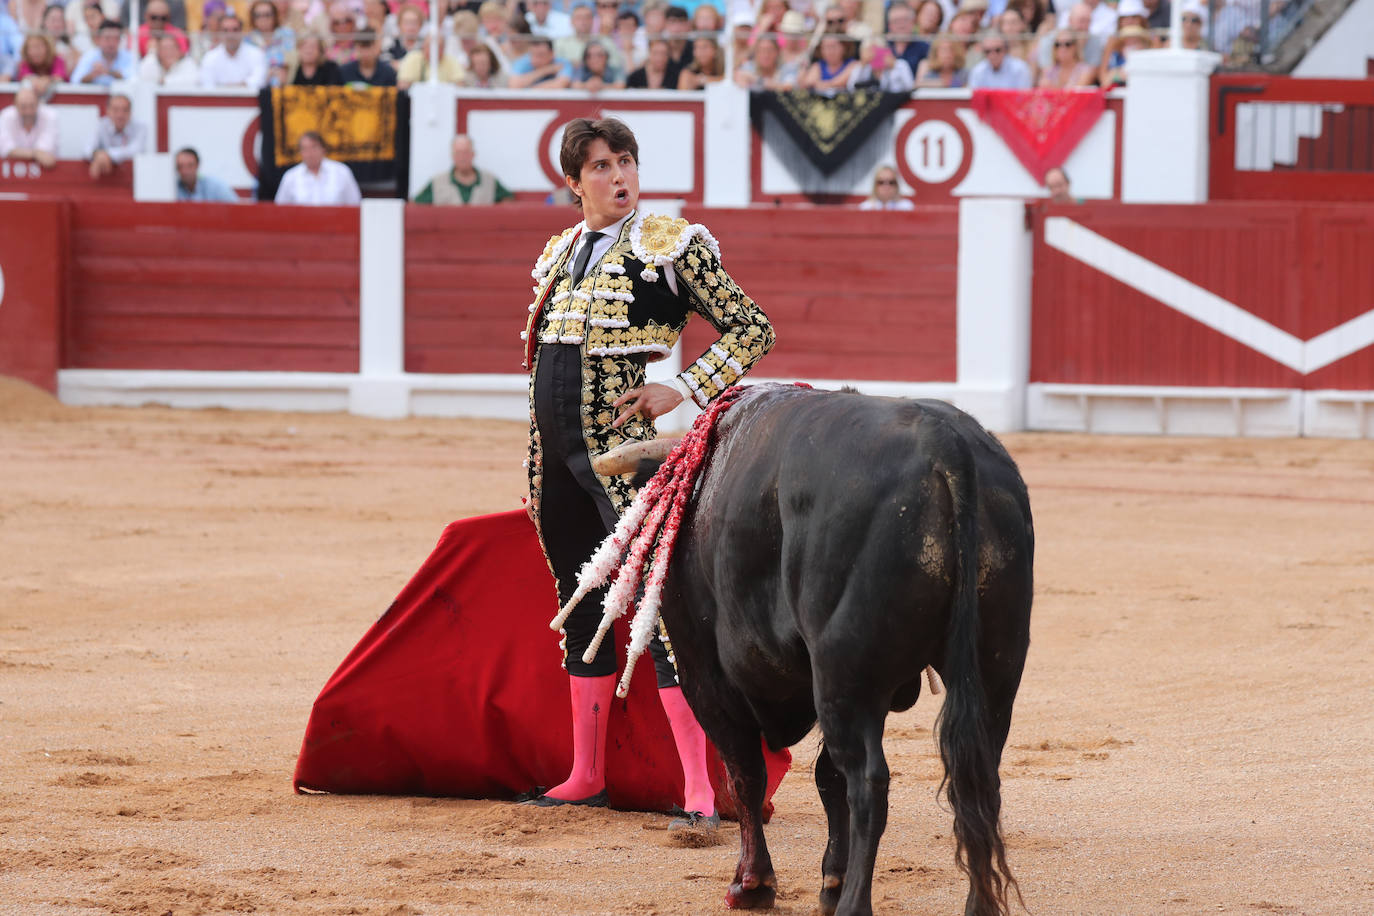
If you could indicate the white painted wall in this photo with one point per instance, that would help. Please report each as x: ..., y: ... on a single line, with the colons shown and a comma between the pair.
x: 1344, y: 51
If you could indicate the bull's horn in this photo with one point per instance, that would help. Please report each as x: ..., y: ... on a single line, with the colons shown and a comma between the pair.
x: 624, y: 459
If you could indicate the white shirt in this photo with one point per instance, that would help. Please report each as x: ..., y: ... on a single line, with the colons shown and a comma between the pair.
x: 246, y: 68
x: 900, y: 203
x: 41, y: 137
x: 599, y: 249
x: 334, y: 185
x: 185, y: 72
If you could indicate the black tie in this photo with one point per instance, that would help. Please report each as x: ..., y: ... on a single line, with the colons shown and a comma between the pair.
x: 585, y: 255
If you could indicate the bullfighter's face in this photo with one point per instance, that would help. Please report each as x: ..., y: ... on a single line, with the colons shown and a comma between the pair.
x: 608, y: 185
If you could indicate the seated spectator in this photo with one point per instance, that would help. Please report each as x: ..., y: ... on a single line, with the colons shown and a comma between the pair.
x: 768, y: 20
x: 943, y: 68
x: 677, y: 26
x: 880, y: 68
x: 1129, y: 40
x: 1057, y: 183
x: 157, y: 20
x: 1159, y: 15
x: 998, y: 69
x: 55, y: 27
x: 207, y: 39
x: 193, y: 186
x: 930, y: 16
x: 343, y: 25
x: 369, y: 69
x: 313, y: 68
x: 965, y: 25
x: 40, y: 65
x: 793, y: 43
x: 268, y: 35
x: 234, y: 62
x: 414, y: 67
x: 28, y: 130
x: 765, y: 68
x: 1068, y: 70
x: 484, y: 70
x: 627, y: 39
x: 887, y: 193
x: 595, y: 73
x: 1132, y: 12
x: 165, y: 65
x: 464, y: 184
x: 1011, y: 25
x: 902, y: 37
x: 1101, y: 19
x: 108, y: 60
x: 467, y: 34
x: 1194, y: 26
x: 117, y: 138
x: 410, y: 22
x: 540, y: 68
x: 380, y: 21
x: 318, y: 181
x: 707, y: 66
x: 658, y: 72
x: 706, y: 18
x: 516, y: 43
x: 604, y: 32
x: 741, y: 35
x: 1078, y: 22
x: 835, y: 63
x: 546, y: 21
x: 83, y: 27
x: 571, y: 46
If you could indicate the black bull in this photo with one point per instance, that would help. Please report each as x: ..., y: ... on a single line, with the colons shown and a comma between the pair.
x: 838, y: 545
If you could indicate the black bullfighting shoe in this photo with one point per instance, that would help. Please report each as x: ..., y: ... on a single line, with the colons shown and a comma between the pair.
x: 693, y: 820
x: 548, y: 801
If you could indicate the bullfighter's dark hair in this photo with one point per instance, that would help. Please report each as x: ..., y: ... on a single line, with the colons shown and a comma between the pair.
x: 190, y: 152
x: 582, y: 132
x: 314, y: 135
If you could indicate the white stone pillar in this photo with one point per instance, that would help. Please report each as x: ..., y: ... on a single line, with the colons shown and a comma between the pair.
x: 993, y: 309
x: 728, y: 137
x: 1164, y: 137
x: 433, y: 122
x: 381, y: 389
x: 155, y: 177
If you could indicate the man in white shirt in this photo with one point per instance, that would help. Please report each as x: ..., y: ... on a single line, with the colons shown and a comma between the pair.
x: 234, y: 62
x: 318, y: 181
x: 28, y: 130
x: 547, y: 21
x: 998, y: 69
x: 1102, y: 23
x: 117, y: 138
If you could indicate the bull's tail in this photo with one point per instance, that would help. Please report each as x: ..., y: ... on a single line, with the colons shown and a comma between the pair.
x: 971, y: 779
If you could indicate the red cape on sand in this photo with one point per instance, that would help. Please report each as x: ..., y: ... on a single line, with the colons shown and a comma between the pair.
x: 458, y: 690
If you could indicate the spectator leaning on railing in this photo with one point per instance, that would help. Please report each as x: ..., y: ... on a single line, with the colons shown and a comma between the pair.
x: 887, y: 193
x: 193, y: 186
x: 117, y: 137
x: 943, y: 68
x: 28, y: 130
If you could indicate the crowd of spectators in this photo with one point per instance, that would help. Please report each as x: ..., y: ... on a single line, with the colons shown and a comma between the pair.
x: 591, y: 45
x: 602, y: 44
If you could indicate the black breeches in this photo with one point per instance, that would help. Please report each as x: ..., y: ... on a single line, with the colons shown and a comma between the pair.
x: 575, y: 514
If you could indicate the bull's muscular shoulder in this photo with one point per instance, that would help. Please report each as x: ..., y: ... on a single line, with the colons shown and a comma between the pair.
x: 557, y: 245
x: 661, y: 240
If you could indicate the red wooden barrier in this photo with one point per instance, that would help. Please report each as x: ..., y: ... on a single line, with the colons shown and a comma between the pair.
x: 212, y: 286
x: 68, y: 178
x: 1233, y: 295
x: 853, y: 295
x: 32, y: 236
x: 467, y: 283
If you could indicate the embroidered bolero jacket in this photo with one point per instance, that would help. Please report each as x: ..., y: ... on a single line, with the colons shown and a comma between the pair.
x: 624, y: 305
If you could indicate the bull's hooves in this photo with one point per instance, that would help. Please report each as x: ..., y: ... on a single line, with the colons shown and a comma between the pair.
x: 831, y: 889
x: 755, y: 898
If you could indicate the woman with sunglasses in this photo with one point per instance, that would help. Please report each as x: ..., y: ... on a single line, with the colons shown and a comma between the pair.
x: 1068, y: 69
x: 271, y: 37
x: 887, y: 193
x: 1194, y: 23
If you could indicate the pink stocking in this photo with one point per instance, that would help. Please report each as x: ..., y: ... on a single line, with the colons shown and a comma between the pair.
x: 591, y: 704
x: 691, y: 750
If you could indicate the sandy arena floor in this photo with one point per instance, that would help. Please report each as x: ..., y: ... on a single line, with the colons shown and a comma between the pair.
x: 1195, y: 732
